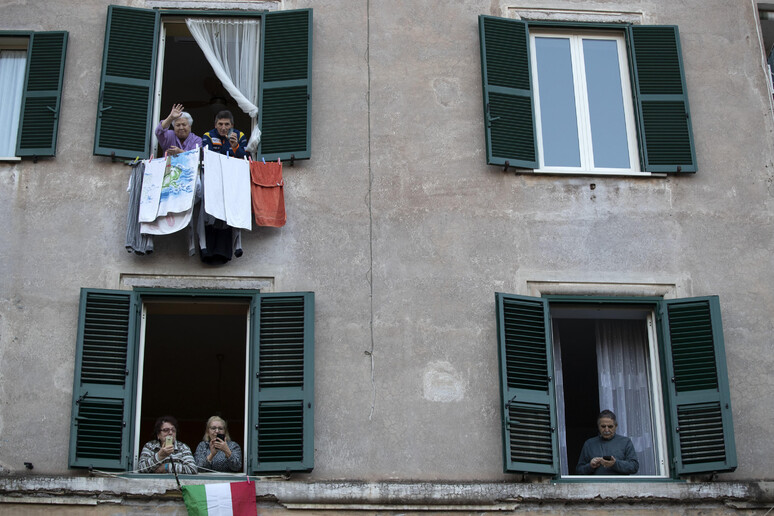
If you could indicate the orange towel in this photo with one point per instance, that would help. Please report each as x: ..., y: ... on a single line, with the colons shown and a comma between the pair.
x: 268, y: 194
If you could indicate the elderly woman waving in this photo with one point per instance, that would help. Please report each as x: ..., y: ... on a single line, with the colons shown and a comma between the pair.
x: 179, y: 138
x: 217, y: 452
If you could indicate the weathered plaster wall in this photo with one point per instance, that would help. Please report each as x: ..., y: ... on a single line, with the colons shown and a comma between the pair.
x: 404, y: 234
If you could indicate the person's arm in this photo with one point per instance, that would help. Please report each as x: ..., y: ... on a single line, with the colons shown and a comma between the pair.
x: 177, y: 110
x: 148, y: 460
x: 584, y: 462
x: 207, y: 141
x: 235, y: 461
x: 184, y: 461
x: 201, y: 455
x: 628, y: 464
x: 239, y: 151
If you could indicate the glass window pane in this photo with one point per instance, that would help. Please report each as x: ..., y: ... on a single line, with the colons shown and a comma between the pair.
x: 606, y: 109
x: 12, y: 67
x: 559, y: 124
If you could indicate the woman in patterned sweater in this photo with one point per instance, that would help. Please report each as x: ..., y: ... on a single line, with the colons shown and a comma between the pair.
x: 217, y: 452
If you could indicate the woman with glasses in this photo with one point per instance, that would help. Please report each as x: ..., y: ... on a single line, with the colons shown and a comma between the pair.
x: 217, y: 452
x: 166, y: 454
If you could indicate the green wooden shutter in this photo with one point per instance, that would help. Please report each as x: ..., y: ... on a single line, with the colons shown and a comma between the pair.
x: 285, y: 97
x: 700, y: 402
x: 41, y: 102
x: 507, y: 87
x: 666, y: 138
x: 127, y: 83
x: 527, y: 387
x: 282, y: 390
x: 103, y: 391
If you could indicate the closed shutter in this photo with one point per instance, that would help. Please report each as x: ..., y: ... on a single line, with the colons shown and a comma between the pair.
x: 700, y: 403
x: 282, y: 390
x: 285, y: 98
x: 41, y: 103
x: 507, y: 87
x: 527, y: 387
x: 666, y: 138
x: 103, y: 392
x: 127, y: 83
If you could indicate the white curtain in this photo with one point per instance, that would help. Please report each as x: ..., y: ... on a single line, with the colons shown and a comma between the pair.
x: 12, y: 66
x: 231, y: 47
x: 623, y: 384
x: 559, y: 387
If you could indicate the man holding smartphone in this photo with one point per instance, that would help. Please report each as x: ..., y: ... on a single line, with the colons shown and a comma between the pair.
x: 224, y: 139
x: 607, y: 453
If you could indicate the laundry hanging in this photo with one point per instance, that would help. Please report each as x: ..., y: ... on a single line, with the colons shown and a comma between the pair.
x: 268, y: 195
x: 227, y: 189
x: 171, y: 191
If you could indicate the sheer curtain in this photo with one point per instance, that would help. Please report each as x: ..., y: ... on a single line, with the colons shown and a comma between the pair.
x: 559, y: 390
x: 623, y: 384
x: 231, y: 48
x: 12, y: 66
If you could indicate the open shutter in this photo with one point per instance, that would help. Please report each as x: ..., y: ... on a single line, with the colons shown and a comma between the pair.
x: 508, y: 101
x: 527, y: 387
x: 127, y: 83
x: 666, y: 138
x: 282, y: 390
x: 103, y: 392
x: 700, y: 403
x: 42, y: 94
x: 285, y: 98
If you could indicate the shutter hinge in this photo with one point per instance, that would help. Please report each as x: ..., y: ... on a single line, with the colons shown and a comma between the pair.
x: 83, y: 396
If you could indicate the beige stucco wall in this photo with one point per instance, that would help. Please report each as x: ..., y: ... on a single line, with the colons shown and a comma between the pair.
x: 404, y: 234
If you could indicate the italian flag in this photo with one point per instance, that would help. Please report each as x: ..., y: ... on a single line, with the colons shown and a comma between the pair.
x: 236, y: 498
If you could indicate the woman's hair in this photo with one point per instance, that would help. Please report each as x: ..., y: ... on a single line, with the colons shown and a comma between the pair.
x: 187, y: 117
x: 160, y: 421
x: 207, y: 428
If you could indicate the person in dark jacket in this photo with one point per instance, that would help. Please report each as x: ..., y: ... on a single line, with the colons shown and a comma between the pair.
x: 224, y: 139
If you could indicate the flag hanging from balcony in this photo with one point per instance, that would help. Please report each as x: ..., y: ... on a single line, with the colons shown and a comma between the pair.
x: 231, y: 499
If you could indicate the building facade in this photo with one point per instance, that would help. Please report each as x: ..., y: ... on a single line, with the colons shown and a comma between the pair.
x: 502, y: 218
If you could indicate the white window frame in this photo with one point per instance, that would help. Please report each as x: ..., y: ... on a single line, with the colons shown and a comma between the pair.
x: 139, y: 440
x: 16, y: 43
x: 656, y: 394
x: 581, y: 102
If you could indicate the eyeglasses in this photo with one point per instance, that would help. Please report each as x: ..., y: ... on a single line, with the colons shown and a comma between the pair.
x: 169, y: 430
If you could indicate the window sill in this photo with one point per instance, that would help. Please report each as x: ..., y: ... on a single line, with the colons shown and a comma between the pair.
x: 9, y: 158
x: 597, y: 173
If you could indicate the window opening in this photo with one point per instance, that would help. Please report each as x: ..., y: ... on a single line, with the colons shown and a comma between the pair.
x: 583, y: 104
x: 13, y: 66
x: 608, y: 359
x: 184, y: 76
x: 193, y: 365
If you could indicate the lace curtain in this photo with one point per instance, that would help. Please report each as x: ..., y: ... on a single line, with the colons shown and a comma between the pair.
x: 12, y: 66
x: 623, y: 384
x: 231, y: 46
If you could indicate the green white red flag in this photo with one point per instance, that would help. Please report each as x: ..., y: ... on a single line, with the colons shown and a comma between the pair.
x: 227, y: 499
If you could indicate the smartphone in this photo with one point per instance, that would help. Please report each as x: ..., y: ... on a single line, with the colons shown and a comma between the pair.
x: 608, y: 457
x: 222, y: 437
x: 168, y: 441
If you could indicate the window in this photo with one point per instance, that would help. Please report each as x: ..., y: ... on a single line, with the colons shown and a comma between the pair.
x: 129, y: 89
x: 31, y: 72
x: 564, y: 99
x: 671, y: 396
x: 247, y: 355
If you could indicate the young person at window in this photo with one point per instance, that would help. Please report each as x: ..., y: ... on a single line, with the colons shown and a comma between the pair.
x: 179, y: 138
x: 607, y: 453
x: 217, y: 452
x: 224, y: 138
x: 166, y: 454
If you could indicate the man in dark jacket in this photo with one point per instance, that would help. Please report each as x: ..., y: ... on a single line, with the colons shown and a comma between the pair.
x: 224, y: 138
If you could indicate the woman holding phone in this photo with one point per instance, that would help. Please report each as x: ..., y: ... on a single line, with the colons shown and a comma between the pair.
x: 166, y: 454
x: 217, y: 452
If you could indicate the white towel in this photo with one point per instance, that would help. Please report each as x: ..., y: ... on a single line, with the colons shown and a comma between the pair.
x: 227, y: 189
x: 152, y: 179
